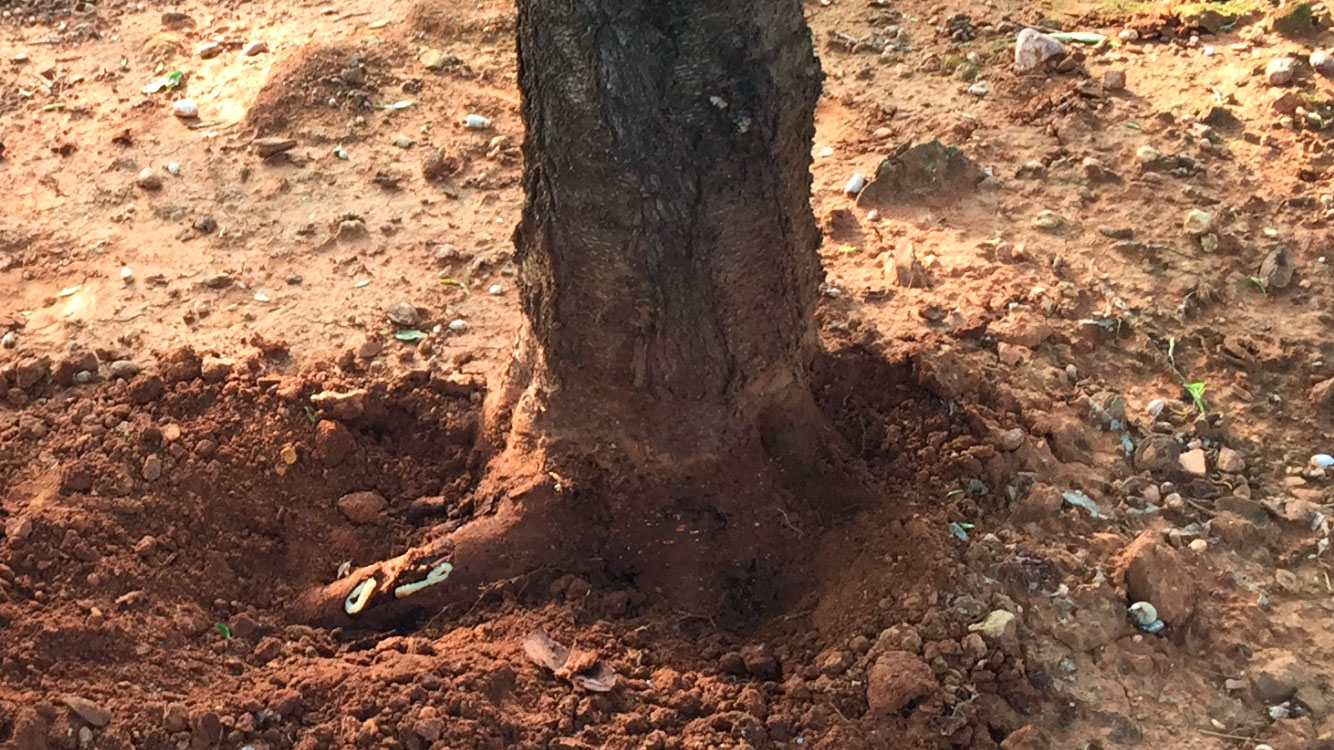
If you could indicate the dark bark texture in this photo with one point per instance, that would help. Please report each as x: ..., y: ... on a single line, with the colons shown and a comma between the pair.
x: 668, y: 245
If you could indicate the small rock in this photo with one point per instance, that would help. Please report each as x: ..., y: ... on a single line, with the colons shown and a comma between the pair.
x: 1276, y: 675
x: 979, y: 89
x: 458, y: 326
x: 362, y: 507
x: 403, y: 141
x: 1193, y: 462
x: 124, y: 368
x: 429, y: 730
x: 1277, y: 269
x: 208, y: 50
x: 176, y: 717
x: 9, y: 340
x: 348, y: 405
x: 1281, y: 71
x: 87, y: 710
x: 333, y: 442
x: 1128, y: 35
x: 1032, y: 48
x: 185, y: 109
x: 854, y: 185
x: 761, y: 663
x: 1197, y: 223
x: 1322, y: 396
x: 1011, y: 440
x: 256, y: 47
x: 149, y: 180
x: 1155, y: 573
x: 266, y: 147
x: 175, y: 20
x: 1148, y: 155
x: 1114, y: 80
x: 495, y: 290
x: 434, y: 59
x: 999, y: 626
x: 1049, y: 221
x: 216, y: 369
x: 152, y: 468
x: 205, y: 731
x: 477, y: 122
x: 1323, y: 63
x: 732, y: 663
x: 1043, y: 501
x: 1027, y: 738
x: 897, y: 679
x: 404, y: 314
x: 1230, y: 461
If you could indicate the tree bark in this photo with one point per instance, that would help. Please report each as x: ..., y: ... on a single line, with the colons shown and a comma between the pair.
x: 659, y: 416
x: 667, y: 245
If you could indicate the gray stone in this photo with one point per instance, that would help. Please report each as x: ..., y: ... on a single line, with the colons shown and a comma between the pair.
x: 1032, y: 48
x: 1281, y: 71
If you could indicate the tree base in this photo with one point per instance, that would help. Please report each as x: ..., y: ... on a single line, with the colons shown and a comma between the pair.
x: 710, y: 508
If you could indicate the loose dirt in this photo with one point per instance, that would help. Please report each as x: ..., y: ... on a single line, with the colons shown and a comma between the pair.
x: 206, y: 410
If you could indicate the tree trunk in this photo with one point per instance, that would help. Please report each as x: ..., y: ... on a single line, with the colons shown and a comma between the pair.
x: 659, y: 418
x: 667, y: 244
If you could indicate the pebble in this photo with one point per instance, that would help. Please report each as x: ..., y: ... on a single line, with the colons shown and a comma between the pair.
x: 1148, y: 155
x: 208, y: 50
x: 1199, y: 545
x: 404, y: 314
x: 1048, y: 220
x: 1154, y: 572
x: 152, y: 468
x: 9, y: 340
x: 1193, y: 463
x: 477, y: 122
x: 1114, y: 80
x: 1322, y: 460
x: 124, y: 368
x: 854, y: 185
x: 1128, y: 35
x: 148, y: 180
x: 979, y: 89
x: 1197, y: 223
x: 361, y: 507
x: 403, y: 141
x: 495, y: 290
x: 1281, y: 71
x: 1230, y: 461
x: 1033, y: 48
x: 173, y: 168
x: 84, y: 377
x: 458, y: 326
x: 87, y: 710
x: 1323, y: 63
x: 216, y: 369
x: 256, y: 47
x: 896, y: 679
x: 1156, y: 408
x: 185, y: 109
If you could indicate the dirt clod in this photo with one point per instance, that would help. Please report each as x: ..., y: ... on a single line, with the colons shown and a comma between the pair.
x: 362, y: 507
x: 1156, y: 573
x: 897, y: 679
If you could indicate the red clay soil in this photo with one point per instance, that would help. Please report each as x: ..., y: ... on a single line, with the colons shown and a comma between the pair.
x: 171, y: 474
